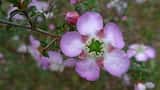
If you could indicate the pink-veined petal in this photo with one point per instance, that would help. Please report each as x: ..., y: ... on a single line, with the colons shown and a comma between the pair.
x: 55, y: 61
x: 35, y: 53
x: 88, y: 69
x: 116, y: 63
x: 34, y: 42
x: 131, y: 53
x: 113, y: 35
x: 71, y: 62
x: 55, y: 57
x: 142, y: 57
x: 43, y: 63
x: 134, y: 46
x: 71, y: 44
x: 140, y: 86
x: 150, y: 52
x: 89, y: 23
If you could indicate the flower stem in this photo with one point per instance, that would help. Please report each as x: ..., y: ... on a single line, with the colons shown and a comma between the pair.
x: 48, y: 45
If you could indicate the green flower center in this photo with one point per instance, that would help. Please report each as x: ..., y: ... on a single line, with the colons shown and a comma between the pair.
x: 141, y: 49
x: 95, y: 47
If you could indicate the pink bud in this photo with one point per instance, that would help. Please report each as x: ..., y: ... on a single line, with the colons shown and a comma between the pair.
x: 73, y: 1
x: 124, y: 18
x: 72, y: 17
x: 1, y: 56
x: 51, y: 27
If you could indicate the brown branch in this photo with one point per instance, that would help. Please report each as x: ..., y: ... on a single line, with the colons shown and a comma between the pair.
x: 29, y: 19
x: 26, y: 27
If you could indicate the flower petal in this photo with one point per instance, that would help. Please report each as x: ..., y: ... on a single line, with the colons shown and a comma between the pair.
x: 126, y: 79
x: 142, y: 57
x: 131, y: 53
x: 35, y: 53
x: 150, y: 85
x: 88, y: 69
x: 113, y: 35
x: 89, y: 23
x: 71, y: 44
x: 71, y: 62
x: 134, y: 46
x: 56, y: 61
x: 43, y: 63
x: 22, y: 48
x: 34, y: 43
x: 73, y: 1
x: 143, y: 52
x: 55, y: 57
x: 140, y: 86
x: 39, y: 5
x: 1, y: 56
x: 150, y: 52
x: 116, y: 63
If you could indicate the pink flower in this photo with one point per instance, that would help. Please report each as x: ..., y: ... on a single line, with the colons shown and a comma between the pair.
x: 73, y: 1
x: 51, y: 26
x: 144, y: 86
x: 141, y: 52
x: 1, y: 56
x: 140, y: 86
x: 53, y: 62
x: 126, y: 80
x: 92, y: 44
x: 33, y: 48
x: 22, y: 48
x: 72, y: 17
x: 43, y: 62
x: 119, y: 5
x: 150, y: 85
x: 124, y: 18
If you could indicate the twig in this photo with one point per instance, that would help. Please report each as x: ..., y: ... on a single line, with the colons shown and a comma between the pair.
x: 48, y: 45
x: 29, y: 19
x: 26, y: 27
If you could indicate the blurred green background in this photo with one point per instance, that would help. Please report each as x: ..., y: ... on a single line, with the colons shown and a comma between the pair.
x: 19, y: 71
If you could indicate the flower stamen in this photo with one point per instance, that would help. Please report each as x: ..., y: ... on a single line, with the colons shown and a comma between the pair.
x: 95, y: 47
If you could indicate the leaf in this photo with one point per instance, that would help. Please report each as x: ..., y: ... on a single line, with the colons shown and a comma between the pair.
x: 88, y: 5
x: 15, y: 2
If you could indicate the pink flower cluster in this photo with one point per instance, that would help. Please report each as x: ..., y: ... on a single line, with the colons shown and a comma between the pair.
x: 54, y: 61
